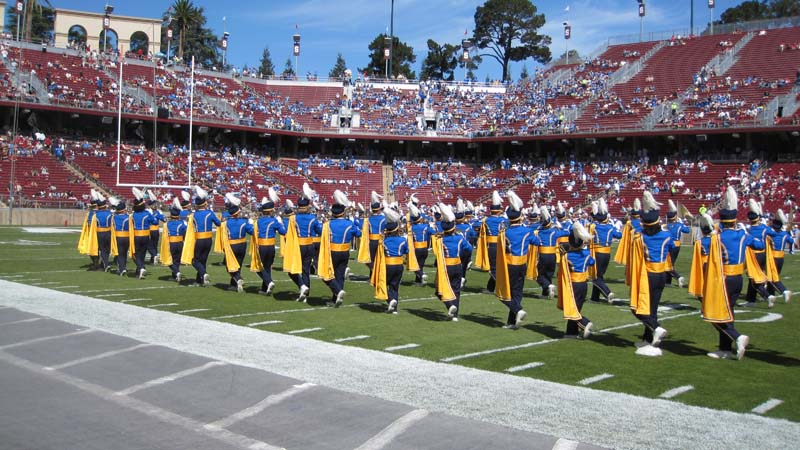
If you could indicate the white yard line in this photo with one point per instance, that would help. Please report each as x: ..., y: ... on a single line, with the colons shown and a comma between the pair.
x: 146, y: 288
x: 305, y: 330
x: 395, y: 429
x: 352, y: 338
x: 186, y: 311
x: 163, y: 304
x: 75, y: 362
x: 266, y: 322
x: 401, y: 347
x: 260, y: 406
x: 47, y: 283
x: 524, y: 367
x: 66, y: 287
x: 637, y: 324
x: 169, y: 378
x: 595, y: 379
x: 497, y: 350
x: 109, y: 295
x: 677, y: 391
x: 134, y: 300
x: 766, y: 406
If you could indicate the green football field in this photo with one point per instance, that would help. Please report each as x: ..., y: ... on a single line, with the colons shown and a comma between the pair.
x: 605, y: 362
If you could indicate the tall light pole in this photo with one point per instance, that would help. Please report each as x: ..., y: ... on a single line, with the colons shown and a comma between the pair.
x: 391, y: 36
x: 691, y: 17
x: 224, y: 41
x: 12, y: 148
x: 641, y: 19
x: 296, y: 51
x: 387, y: 54
x: 567, y: 35
x: 466, y: 45
x: 106, y: 25
x: 711, y: 5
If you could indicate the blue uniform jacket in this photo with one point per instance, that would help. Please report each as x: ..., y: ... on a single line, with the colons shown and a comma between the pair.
x: 761, y: 232
x: 580, y: 260
x: 549, y: 236
x: 103, y: 218
x: 121, y: 222
x: 422, y: 232
x: 239, y: 227
x: 343, y: 231
x: 676, y: 229
x: 453, y: 244
x: 493, y: 225
x: 605, y: 233
x: 142, y: 220
x: 781, y: 239
x: 395, y: 245
x: 176, y: 228
x: 657, y: 246
x: 519, y: 238
x: 377, y: 223
x: 204, y: 220
x: 734, y: 243
x: 466, y: 230
x: 268, y: 226
x: 308, y: 225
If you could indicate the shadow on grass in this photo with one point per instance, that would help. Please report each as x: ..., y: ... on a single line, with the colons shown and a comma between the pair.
x: 483, y: 319
x: 611, y: 340
x: 428, y: 314
x: 772, y: 357
x: 546, y: 330
x: 374, y: 307
x: 682, y: 348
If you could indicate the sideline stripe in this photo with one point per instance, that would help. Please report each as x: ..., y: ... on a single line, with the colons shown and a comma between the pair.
x: 260, y: 406
x: 131, y: 300
x: 21, y: 321
x: 497, y: 350
x: 267, y: 322
x: 168, y: 378
x: 396, y: 428
x: 109, y: 295
x: 676, y: 391
x: 401, y: 347
x: 631, y: 325
x: 47, y: 283
x: 766, y: 406
x: 565, y: 444
x: 67, y: 287
x: 352, y: 338
x: 595, y: 379
x: 146, y: 288
x: 163, y: 304
x: 75, y: 362
x: 532, y: 365
x: 227, y: 437
x: 46, y: 338
x: 305, y: 330
x: 192, y: 310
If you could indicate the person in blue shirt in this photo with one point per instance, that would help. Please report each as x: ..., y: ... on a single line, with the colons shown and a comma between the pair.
x: 492, y: 225
x: 563, y: 222
x: 475, y: 225
x: 186, y: 205
x: 465, y: 230
x: 268, y: 228
x: 176, y: 232
x: 780, y: 240
x: 518, y: 239
x: 579, y: 259
x: 155, y: 230
x: 395, y: 247
x: 93, y: 260
x: 122, y: 233
x: 238, y: 230
x: 534, y: 217
x: 548, y: 236
x: 103, y: 218
x: 656, y: 245
x: 760, y: 231
x: 376, y: 225
x: 734, y: 244
x: 307, y: 227
x: 204, y: 221
x: 343, y: 231
x: 603, y: 234
x: 676, y: 229
x: 142, y: 220
x: 454, y: 244
x: 422, y: 231
x: 634, y: 215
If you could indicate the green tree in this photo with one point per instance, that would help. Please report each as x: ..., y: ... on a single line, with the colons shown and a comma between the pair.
x: 339, y: 68
x: 508, y: 30
x: 784, y: 8
x: 185, y: 17
x: 195, y: 39
x: 441, y: 62
x: 288, y: 69
x: 574, y: 58
x: 39, y: 20
x: 266, y: 68
x: 524, y: 74
x: 402, y: 58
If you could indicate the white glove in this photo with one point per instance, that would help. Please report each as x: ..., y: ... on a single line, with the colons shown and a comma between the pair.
x: 250, y: 221
x: 740, y: 226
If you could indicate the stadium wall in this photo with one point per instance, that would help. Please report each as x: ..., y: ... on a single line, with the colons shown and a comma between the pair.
x: 36, y: 216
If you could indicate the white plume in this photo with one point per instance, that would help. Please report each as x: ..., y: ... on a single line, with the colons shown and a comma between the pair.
x: 470, y: 206
x: 602, y: 206
x: 545, y: 214
x: 200, y: 192
x: 273, y: 196
x: 361, y: 207
x: 413, y: 210
x: 672, y: 207
x: 264, y: 200
x: 447, y: 213
x: 782, y: 217
x: 649, y: 202
x: 460, y: 206
x: 150, y: 194
x: 560, y: 209
x: 579, y: 231
x: 730, y: 200
x: 232, y: 199
x: 637, y: 204
x: 93, y: 194
x: 341, y: 198
x: 308, y: 192
x: 754, y: 206
x: 706, y: 221
x: 536, y: 209
x: 391, y: 215
x: 113, y: 201
x: 595, y: 208
x: 289, y: 203
x: 177, y: 204
x: 137, y: 193
x: 186, y: 196
x: 514, y: 201
x: 376, y: 198
x: 100, y: 197
x: 496, y: 200
x: 414, y: 198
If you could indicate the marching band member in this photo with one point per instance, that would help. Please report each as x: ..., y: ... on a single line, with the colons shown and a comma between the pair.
x: 121, y: 235
x: 336, y: 238
x: 573, y: 277
x: 155, y: 233
x: 172, y: 242
x: 388, y: 269
x: 234, y: 232
x: 726, y: 259
x: 469, y: 218
x: 85, y: 241
x: 142, y: 220
x: 487, y: 240
x: 186, y: 205
x: 197, y: 244
x: 649, y: 262
x: 779, y: 241
x: 102, y: 217
x: 422, y: 232
x: 563, y: 222
x: 512, y: 260
x: 465, y: 229
x: 449, y: 268
x: 700, y: 256
x: 371, y: 232
x: 603, y: 233
x: 264, y: 232
x: 534, y: 215
x: 307, y: 227
x: 548, y: 236
x: 676, y: 228
x: 757, y: 259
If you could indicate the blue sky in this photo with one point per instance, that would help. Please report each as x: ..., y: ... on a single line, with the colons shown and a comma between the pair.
x: 328, y: 27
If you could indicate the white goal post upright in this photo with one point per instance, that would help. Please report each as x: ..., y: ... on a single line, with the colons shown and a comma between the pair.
x: 120, y: 161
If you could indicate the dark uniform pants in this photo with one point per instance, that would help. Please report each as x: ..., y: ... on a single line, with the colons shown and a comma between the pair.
x: 776, y: 286
x: 306, y: 256
x: 516, y: 278
x: 492, y: 254
x: 599, y: 283
x: 104, y: 247
x: 727, y: 332
x: 267, y: 255
x: 202, y: 247
x: 239, y: 250
x: 422, y: 255
x: 373, y: 249
x: 123, y: 245
x: 394, y: 273
x: 152, y: 246
x: 340, y: 261
x: 673, y: 256
x: 140, y: 244
x: 752, y: 287
x: 454, y: 273
x: 175, y: 250
x: 546, y: 269
x: 657, y: 281
x: 579, y: 289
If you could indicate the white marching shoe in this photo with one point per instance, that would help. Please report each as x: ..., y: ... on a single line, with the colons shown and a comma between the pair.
x: 611, y: 297
x: 658, y: 335
x: 178, y: 277
x: 206, y: 280
x: 339, y: 299
x: 303, y: 294
x: 239, y: 285
x: 521, y: 315
x: 452, y: 311
x: 346, y: 273
x: 551, y: 292
x: 720, y: 354
x: 270, y: 287
x: 392, y: 307
x: 741, y: 346
x: 771, y: 301
x: 681, y: 282
x: 587, y: 330
x: 787, y: 296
